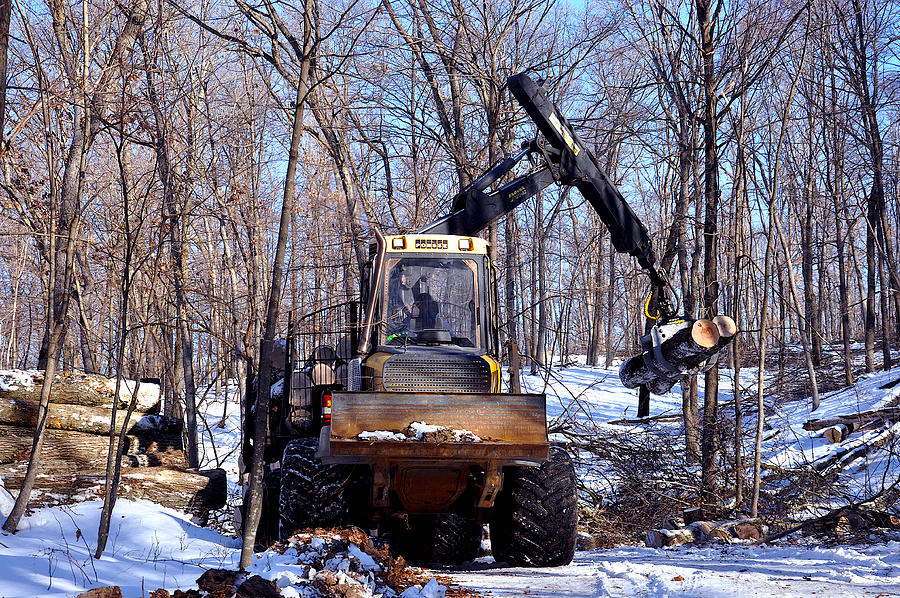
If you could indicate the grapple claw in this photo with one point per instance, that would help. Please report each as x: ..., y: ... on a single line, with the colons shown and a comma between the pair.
x: 675, y: 349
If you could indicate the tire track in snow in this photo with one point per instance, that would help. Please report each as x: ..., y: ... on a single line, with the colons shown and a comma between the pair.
x: 712, y: 572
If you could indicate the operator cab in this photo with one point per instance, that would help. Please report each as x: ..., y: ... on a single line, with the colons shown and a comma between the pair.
x: 431, y: 301
x: 429, y: 307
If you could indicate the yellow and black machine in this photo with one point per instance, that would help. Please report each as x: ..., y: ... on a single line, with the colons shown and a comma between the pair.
x: 406, y: 426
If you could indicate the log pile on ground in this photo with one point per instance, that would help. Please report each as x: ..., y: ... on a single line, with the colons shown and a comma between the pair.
x: 76, y: 443
x: 837, y: 429
x: 702, y: 532
x: 858, y: 434
x: 853, y: 520
x: 838, y: 524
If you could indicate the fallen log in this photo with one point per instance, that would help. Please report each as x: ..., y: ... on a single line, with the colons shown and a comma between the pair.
x: 658, y: 538
x: 854, y: 450
x: 888, y: 414
x: 195, y: 492
x: 841, y: 521
x: 748, y: 531
x: 65, y: 450
x: 61, y: 448
x: 837, y: 434
x: 22, y: 411
x: 705, y: 531
x: 700, y: 532
x: 76, y: 388
x: 666, y: 417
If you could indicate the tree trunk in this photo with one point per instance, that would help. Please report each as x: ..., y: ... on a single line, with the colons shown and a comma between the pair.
x: 596, y: 313
x: 540, y: 351
x: 610, y: 308
x: 740, y: 209
x: 117, y: 440
x: 843, y: 291
x: 869, y: 323
x: 885, y: 305
x: 5, y: 11
x: 254, y: 511
x: 59, y: 313
x: 795, y: 300
x: 709, y: 442
x: 177, y: 229
x: 811, y: 306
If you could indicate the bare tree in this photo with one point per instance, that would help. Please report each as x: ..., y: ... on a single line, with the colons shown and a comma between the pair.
x: 89, y: 112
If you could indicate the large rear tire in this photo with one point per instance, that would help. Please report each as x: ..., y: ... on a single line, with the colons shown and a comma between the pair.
x: 312, y: 493
x: 535, y: 519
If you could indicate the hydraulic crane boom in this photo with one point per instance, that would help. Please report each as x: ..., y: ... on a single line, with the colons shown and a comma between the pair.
x: 563, y: 158
x: 566, y: 160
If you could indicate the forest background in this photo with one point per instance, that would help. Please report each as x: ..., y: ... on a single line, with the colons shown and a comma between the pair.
x: 152, y: 152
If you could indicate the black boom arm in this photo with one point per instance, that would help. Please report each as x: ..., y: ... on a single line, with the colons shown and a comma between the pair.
x: 566, y: 160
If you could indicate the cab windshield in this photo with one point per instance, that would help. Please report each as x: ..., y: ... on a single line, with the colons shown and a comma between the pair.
x: 431, y: 300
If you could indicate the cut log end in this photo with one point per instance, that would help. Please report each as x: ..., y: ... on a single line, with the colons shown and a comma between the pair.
x: 838, y: 433
x: 726, y: 326
x: 701, y: 532
x: 705, y: 333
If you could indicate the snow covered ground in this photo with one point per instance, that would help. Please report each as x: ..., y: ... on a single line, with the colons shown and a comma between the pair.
x: 719, y: 572
x: 149, y: 547
x: 152, y: 547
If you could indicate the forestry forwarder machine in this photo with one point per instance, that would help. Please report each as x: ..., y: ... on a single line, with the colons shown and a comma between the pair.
x: 403, y: 426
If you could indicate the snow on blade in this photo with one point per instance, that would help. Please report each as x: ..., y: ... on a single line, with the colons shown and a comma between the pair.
x: 422, y: 432
x: 381, y: 435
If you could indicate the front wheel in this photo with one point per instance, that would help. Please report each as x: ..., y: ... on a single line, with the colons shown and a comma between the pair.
x: 535, y: 520
x: 312, y: 493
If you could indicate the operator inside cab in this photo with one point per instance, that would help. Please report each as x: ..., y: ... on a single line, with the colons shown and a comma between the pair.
x: 426, y: 315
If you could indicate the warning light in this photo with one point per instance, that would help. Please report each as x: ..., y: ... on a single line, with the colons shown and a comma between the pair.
x: 326, y: 409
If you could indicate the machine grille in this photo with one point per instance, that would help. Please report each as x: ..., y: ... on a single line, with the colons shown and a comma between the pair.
x: 416, y: 373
